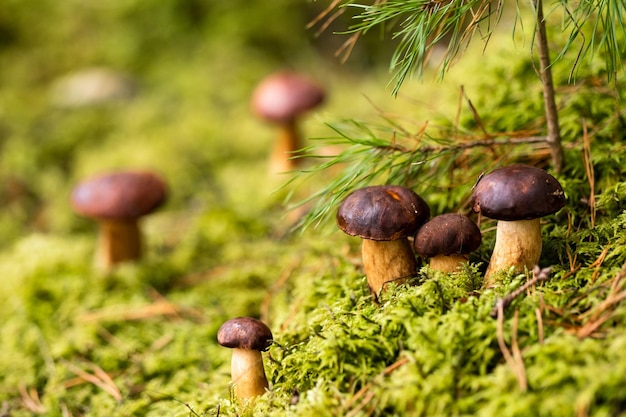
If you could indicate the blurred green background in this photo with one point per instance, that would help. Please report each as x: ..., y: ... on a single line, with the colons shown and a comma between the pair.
x: 191, y: 66
x: 187, y: 69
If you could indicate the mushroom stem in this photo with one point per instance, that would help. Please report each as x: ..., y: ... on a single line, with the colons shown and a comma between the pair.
x: 518, y: 244
x: 248, y: 373
x: 287, y: 142
x: 447, y: 263
x: 386, y: 261
x: 119, y: 241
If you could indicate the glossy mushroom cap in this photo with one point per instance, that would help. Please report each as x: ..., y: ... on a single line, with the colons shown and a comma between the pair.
x: 382, y: 212
x: 447, y: 234
x: 120, y: 195
x: 245, y: 333
x: 517, y: 192
x: 285, y: 95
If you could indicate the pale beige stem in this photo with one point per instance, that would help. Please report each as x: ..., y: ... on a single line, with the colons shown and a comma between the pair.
x: 119, y: 241
x: 386, y: 261
x: 518, y: 244
x: 287, y: 142
x: 248, y: 373
x: 447, y: 263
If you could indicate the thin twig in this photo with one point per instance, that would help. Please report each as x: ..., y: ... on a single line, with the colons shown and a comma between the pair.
x: 598, y: 263
x: 98, y: 379
x: 30, y: 399
x: 365, y: 391
x: 588, y: 163
x: 539, y: 312
x: 275, y: 288
x: 500, y: 336
x: 467, y: 145
x: 514, y: 360
x: 538, y: 275
x: 477, y: 118
x: 323, y: 14
x: 545, y: 72
x: 603, y: 312
x: 520, y: 370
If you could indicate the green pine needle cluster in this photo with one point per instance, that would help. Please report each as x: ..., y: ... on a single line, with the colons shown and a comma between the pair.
x: 420, y: 27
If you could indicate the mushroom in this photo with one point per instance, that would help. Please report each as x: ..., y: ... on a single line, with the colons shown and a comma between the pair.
x: 117, y: 201
x: 383, y: 216
x: 280, y: 99
x: 517, y: 196
x: 248, y: 337
x: 447, y: 240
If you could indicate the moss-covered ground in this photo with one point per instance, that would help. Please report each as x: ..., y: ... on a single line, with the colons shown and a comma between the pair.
x: 140, y: 340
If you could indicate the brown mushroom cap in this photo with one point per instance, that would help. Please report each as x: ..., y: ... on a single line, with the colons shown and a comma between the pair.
x: 245, y: 333
x: 120, y: 195
x: 447, y: 234
x: 382, y: 212
x: 517, y: 192
x: 285, y: 95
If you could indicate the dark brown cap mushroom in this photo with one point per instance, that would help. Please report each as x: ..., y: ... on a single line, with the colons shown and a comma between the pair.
x: 384, y: 216
x: 280, y: 99
x: 117, y: 201
x: 447, y: 239
x: 517, y: 196
x: 517, y: 192
x: 383, y: 212
x: 245, y: 333
x: 248, y: 337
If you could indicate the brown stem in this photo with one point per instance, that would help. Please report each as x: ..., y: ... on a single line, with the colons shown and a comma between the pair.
x: 119, y: 241
x: 386, y: 261
x: 552, y: 115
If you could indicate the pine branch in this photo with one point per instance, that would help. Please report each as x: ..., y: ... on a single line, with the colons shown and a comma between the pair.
x: 597, y: 26
x: 370, y: 160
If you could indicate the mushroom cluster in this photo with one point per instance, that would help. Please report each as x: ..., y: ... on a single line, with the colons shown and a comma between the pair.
x: 117, y: 201
x: 385, y: 215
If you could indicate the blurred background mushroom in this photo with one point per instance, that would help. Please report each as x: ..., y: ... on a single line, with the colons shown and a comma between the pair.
x: 517, y: 196
x: 447, y: 240
x: 384, y: 216
x: 92, y: 86
x: 281, y: 98
x: 117, y: 201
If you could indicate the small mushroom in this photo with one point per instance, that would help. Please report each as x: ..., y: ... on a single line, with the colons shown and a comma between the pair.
x: 117, y: 201
x: 517, y: 196
x: 447, y: 240
x: 384, y: 216
x: 282, y: 98
x: 248, y: 337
